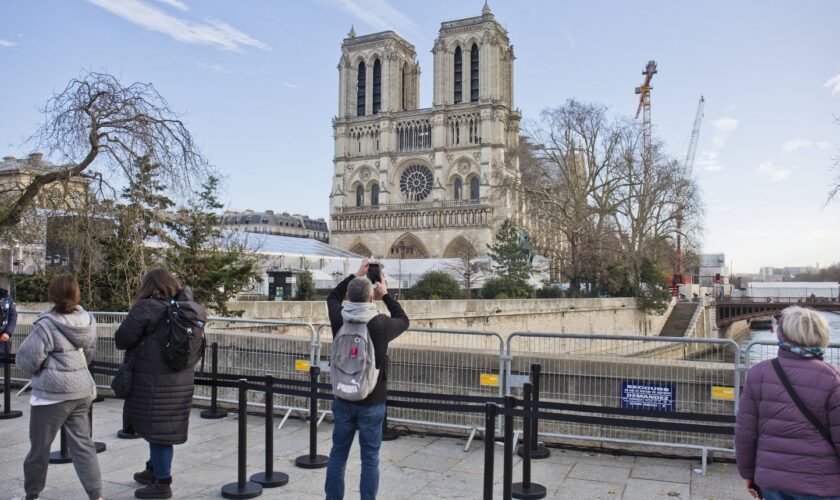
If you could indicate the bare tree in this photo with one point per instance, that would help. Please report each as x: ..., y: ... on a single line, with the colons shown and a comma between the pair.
x: 467, y: 269
x: 97, y: 124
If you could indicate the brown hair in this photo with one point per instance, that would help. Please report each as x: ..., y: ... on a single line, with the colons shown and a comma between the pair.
x: 158, y: 284
x: 65, y: 294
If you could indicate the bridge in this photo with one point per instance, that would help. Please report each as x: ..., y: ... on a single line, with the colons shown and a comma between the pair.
x: 732, y: 309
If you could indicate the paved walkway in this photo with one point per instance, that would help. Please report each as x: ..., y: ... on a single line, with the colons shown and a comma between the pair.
x: 413, y: 467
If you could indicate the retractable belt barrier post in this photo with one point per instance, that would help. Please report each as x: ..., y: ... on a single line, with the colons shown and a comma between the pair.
x: 100, y: 446
x: 510, y: 404
x: 313, y: 460
x: 387, y: 433
x: 538, y: 451
x: 62, y: 456
x: 489, y: 448
x: 526, y: 489
x: 242, y: 488
x: 270, y: 478
x: 213, y: 412
x: 7, y: 383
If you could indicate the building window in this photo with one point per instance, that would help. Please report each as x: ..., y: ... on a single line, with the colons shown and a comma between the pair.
x: 474, y: 73
x: 374, y: 195
x: 458, y: 74
x: 416, y: 183
x: 360, y: 196
x: 377, y: 86
x: 360, y: 91
x: 474, y: 189
x: 459, y: 187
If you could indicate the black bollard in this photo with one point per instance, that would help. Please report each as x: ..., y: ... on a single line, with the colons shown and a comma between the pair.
x: 489, y: 448
x: 62, y: 456
x: 313, y: 460
x: 526, y: 489
x: 7, y: 383
x: 214, y: 412
x: 388, y: 434
x: 510, y: 404
x: 269, y: 478
x: 242, y: 488
x: 538, y: 451
x: 100, y: 446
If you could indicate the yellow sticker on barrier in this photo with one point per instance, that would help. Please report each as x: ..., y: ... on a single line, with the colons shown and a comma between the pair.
x: 302, y: 365
x: 725, y: 393
x: 490, y: 379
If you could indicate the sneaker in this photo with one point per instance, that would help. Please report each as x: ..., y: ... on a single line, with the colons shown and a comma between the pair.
x: 159, y: 488
x: 147, y: 476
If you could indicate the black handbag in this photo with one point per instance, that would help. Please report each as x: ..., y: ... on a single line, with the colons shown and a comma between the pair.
x: 123, y: 379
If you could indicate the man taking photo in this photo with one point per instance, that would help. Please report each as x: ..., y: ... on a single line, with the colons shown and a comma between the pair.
x: 359, y: 386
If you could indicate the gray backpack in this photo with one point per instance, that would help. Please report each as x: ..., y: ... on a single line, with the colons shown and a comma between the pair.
x: 353, y: 363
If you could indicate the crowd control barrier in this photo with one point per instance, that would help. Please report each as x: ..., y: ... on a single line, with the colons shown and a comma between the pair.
x: 611, y: 387
x: 761, y: 350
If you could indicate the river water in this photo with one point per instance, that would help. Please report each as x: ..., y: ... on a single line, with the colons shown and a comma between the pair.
x: 769, y: 352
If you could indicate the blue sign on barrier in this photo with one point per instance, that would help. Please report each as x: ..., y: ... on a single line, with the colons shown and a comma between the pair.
x: 642, y: 395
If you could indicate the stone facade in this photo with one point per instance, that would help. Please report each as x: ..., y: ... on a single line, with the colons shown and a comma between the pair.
x: 432, y: 178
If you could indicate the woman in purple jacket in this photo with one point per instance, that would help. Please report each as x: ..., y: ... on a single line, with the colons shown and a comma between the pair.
x: 779, y: 450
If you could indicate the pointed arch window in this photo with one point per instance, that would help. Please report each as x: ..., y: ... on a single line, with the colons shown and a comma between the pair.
x: 474, y: 73
x: 374, y: 195
x: 360, y: 90
x: 474, y: 189
x: 459, y: 188
x: 377, y: 86
x: 459, y: 59
x: 360, y: 196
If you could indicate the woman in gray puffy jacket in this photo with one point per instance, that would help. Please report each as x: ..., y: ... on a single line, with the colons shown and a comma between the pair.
x: 57, y: 354
x: 779, y: 450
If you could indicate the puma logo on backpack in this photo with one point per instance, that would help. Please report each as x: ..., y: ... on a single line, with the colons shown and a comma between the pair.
x: 353, y: 369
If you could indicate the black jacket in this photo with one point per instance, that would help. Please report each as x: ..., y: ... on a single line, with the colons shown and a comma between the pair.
x: 382, y: 329
x: 158, y: 408
x: 8, y: 318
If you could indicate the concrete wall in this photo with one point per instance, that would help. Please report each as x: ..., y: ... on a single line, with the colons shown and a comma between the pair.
x: 612, y: 316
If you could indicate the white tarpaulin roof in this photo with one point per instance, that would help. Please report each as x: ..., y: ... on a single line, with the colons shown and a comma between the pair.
x: 794, y: 289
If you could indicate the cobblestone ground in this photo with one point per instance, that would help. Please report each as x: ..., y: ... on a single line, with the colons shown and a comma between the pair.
x: 412, y: 467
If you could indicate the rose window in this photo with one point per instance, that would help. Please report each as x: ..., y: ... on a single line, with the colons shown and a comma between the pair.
x: 416, y: 183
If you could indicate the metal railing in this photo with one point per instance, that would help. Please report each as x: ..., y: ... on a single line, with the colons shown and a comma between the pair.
x: 761, y: 350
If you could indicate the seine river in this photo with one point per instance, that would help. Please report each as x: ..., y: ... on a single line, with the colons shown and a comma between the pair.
x: 770, y: 352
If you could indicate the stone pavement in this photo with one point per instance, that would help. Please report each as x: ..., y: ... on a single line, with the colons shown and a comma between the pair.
x: 412, y: 467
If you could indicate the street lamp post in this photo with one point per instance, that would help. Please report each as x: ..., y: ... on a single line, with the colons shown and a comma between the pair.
x: 401, y: 249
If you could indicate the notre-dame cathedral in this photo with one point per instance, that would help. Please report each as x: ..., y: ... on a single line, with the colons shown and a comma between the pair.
x: 424, y: 182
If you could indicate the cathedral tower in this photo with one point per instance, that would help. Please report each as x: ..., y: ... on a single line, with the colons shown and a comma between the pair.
x: 424, y: 182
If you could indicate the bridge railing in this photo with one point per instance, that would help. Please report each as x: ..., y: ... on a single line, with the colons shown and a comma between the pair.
x: 777, y: 300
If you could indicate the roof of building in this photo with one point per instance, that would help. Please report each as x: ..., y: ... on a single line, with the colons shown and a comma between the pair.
x: 33, y: 163
x: 288, y: 245
x: 793, y: 284
x: 270, y: 217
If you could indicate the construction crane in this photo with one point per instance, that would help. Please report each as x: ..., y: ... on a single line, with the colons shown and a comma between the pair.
x: 644, y: 106
x: 678, y: 279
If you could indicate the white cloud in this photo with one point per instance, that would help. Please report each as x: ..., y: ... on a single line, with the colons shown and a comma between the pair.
x: 177, y: 4
x: 7, y: 43
x: 794, y: 144
x: 293, y: 86
x: 773, y: 171
x: 709, y: 161
x: 833, y: 84
x: 571, y: 40
x: 724, y: 126
x: 211, y: 32
x: 379, y: 15
x: 214, y: 68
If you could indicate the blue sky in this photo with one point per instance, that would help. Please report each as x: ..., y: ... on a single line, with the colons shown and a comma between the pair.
x: 257, y: 82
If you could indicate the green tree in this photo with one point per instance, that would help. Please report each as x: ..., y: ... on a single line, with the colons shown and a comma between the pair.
x: 215, y: 267
x: 501, y: 287
x: 511, y: 257
x: 305, y: 286
x: 435, y: 285
x: 653, y: 295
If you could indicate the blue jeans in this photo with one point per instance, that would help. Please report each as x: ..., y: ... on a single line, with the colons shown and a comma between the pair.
x: 783, y: 495
x: 349, y: 417
x: 161, y: 457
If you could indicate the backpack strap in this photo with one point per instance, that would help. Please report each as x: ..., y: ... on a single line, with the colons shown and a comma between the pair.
x: 824, y: 432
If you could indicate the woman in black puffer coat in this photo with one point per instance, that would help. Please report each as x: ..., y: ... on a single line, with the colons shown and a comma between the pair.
x: 158, y: 408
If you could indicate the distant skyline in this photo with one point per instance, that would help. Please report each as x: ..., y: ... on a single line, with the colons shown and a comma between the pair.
x: 257, y: 84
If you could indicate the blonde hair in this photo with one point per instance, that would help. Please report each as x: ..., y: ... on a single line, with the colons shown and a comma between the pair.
x: 804, y: 327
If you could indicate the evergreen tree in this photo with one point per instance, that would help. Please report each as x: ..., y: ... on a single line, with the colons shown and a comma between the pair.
x: 435, y: 285
x: 305, y: 286
x: 511, y: 257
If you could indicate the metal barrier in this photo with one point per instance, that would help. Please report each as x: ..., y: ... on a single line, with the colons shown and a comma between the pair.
x: 760, y: 350
x: 438, y: 360
x: 664, y: 379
